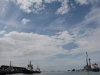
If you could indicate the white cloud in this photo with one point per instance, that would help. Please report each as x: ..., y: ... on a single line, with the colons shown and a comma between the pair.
x: 93, y: 16
x: 7, y: 0
x: 87, y: 38
x: 64, y: 9
x: 82, y: 1
x: 25, y: 21
x: 89, y: 43
x: 87, y: 1
x: 58, y: 23
x: 31, y: 5
x: 2, y: 32
x: 37, y: 5
x: 65, y: 36
x: 29, y: 46
x: 50, y: 1
x: 3, y: 7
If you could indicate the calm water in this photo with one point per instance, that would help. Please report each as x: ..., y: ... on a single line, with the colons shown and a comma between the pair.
x: 63, y: 73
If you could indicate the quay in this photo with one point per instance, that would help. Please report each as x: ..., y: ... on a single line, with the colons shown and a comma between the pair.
x: 4, y: 69
x: 8, y: 70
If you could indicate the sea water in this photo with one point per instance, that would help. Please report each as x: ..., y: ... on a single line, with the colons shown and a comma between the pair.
x: 63, y: 73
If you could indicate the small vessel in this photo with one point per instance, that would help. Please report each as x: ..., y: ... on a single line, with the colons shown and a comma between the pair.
x: 30, y: 70
x: 96, y: 68
x: 37, y: 70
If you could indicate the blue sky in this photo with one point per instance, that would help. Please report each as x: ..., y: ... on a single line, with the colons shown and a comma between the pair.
x: 54, y: 34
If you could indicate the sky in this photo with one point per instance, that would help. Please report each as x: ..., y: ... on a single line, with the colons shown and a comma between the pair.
x: 54, y: 34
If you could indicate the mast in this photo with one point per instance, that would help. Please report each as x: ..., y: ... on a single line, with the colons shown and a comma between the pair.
x: 89, y: 62
x: 38, y: 69
x: 87, y: 59
x: 31, y: 66
x: 30, y: 62
x: 10, y: 64
x: 10, y: 67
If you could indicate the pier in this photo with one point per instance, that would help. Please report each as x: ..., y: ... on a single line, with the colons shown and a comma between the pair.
x: 4, y: 69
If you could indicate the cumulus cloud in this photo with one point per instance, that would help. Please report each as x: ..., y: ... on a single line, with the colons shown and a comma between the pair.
x: 64, y: 8
x: 31, y: 5
x: 32, y: 46
x: 36, y: 6
x: 2, y: 32
x: 25, y: 21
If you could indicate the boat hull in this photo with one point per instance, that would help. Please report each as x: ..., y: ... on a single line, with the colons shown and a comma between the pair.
x: 30, y: 72
x: 96, y: 70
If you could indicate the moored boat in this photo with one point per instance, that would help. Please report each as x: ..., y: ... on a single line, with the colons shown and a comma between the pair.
x: 30, y: 70
x: 96, y: 68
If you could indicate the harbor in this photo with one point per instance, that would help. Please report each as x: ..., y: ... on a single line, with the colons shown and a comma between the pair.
x: 5, y: 69
x: 49, y: 37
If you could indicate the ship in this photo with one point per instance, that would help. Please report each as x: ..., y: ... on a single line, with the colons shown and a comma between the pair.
x: 30, y: 70
x: 88, y: 66
x: 95, y: 68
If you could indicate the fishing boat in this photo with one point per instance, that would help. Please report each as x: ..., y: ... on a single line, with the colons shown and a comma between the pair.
x: 95, y: 68
x: 37, y: 70
x: 30, y: 70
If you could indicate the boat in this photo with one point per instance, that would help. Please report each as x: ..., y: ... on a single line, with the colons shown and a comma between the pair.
x: 96, y: 68
x: 37, y: 70
x: 87, y: 67
x: 30, y: 70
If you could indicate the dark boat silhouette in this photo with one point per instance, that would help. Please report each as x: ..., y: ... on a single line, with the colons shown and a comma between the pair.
x: 96, y: 68
x: 29, y: 69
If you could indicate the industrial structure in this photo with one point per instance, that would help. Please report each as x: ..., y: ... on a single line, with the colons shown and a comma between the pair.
x: 88, y: 65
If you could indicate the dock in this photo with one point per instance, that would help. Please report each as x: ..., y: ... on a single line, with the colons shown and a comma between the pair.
x: 4, y: 69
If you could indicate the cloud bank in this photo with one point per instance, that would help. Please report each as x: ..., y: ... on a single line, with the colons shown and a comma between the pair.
x: 20, y: 45
x: 36, y: 6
